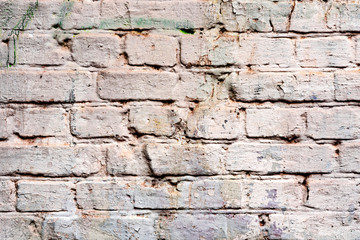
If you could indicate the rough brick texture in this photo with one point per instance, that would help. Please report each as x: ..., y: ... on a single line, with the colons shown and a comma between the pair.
x: 179, y: 119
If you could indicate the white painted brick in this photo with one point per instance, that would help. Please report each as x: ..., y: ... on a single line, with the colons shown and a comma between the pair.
x: 192, y: 159
x: 127, y: 159
x: 41, y: 49
x: 299, y: 86
x: 194, y: 87
x: 46, y: 86
x: 91, y: 122
x: 275, y: 122
x: 156, y: 50
x: 208, y: 51
x: 210, y: 121
x: 159, y: 121
x: 349, y: 157
x: 137, y: 85
x: 276, y: 158
x: 333, y: 194
x: 271, y: 52
x: 104, y: 195
x: 51, y: 161
x: 347, y: 86
x: 3, y: 124
x: 333, y: 123
x: 21, y: 227
x: 7, y: 196
x: 44, y: 196
x: 324, y: 52
x: 3, y: 54
x: 275, y: 194
x: 46, y: 122
x: 99, y: 50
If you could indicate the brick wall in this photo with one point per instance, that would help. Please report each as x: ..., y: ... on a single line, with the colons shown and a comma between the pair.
x: 184, y: 119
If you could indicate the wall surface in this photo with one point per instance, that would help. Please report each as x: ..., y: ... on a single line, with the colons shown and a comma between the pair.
x: 179, y: 119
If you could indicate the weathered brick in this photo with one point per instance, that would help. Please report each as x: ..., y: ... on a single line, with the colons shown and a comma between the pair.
x: 276, y: 158
x: 98, y: 50
x: 104, y: 195
x: 347, y: 86
x: 98, y: 122
x: 209, y: 226
x: 3, y: 124
x: 46, y: 122
x: 100, y: 226
x: 21, y: 227
x: 275, y: 194
x: 209, y: 51
x: 7, y: 195
x: 137, y: 85
x: 214, y: 122
x: 172, y: 15
x: 202, y: 194
x: 324, y: 52
x: 159, y: 121
x: 46, y: 86
x: 271, y: 52
x: 357, y: 49
x: 310, y: 16
x: 51, y: 161
x: 44, y: 196
x: 298, y: 86
x: 194, y: 87
x: 346, y: 15
x: 275, y: 122
x: 333, y: 194
x: 333, y: 123
x: 258, y: 16
x: 312, y: 225
x: 349, y: 157
x: 127, y: 159
x: 156, y: 50
x: 41, y: 49
x: 3, y: 54
x: 192, y: 159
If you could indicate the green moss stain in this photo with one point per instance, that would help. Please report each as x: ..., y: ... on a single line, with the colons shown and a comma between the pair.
x: 187, y: 31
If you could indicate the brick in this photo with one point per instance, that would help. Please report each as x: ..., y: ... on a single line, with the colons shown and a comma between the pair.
x: 98, y: 50
x: 208, y: 51
x: 47, y: 122
x: 275, y: 194
x: 277, y: 158
x: 51, y: 161
x: 297, y: 87
x: 214, y: 122
x: 349, y: 157
x: 20, y: 227
x: 313, y: 225
x: 48, y: 86
x: 324, y: 52
x: 357, y: 49
x: 271, y: 52
x: 158, y: 50
x: 156, y: 14
x: 192, y: 159
x: 7, y: 195
x: 100, y: 226
x: 286, y: 123
x: 3, y: 54
x: 136, y: 85
x: 333, y: 194
x: 158, y: 121
x: 348, y: 15
x: 333, y: 123
x: 104, y: 195
x: 309, y: 16
x: 209, y: 226
x: 194, y: 87
x: 44, y: 196
x: 40, y: 49
x: 258, y: 16
x: 127, y: 159
x: 3, y: 124
x: 92, y: 122
x: 347, y: 86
